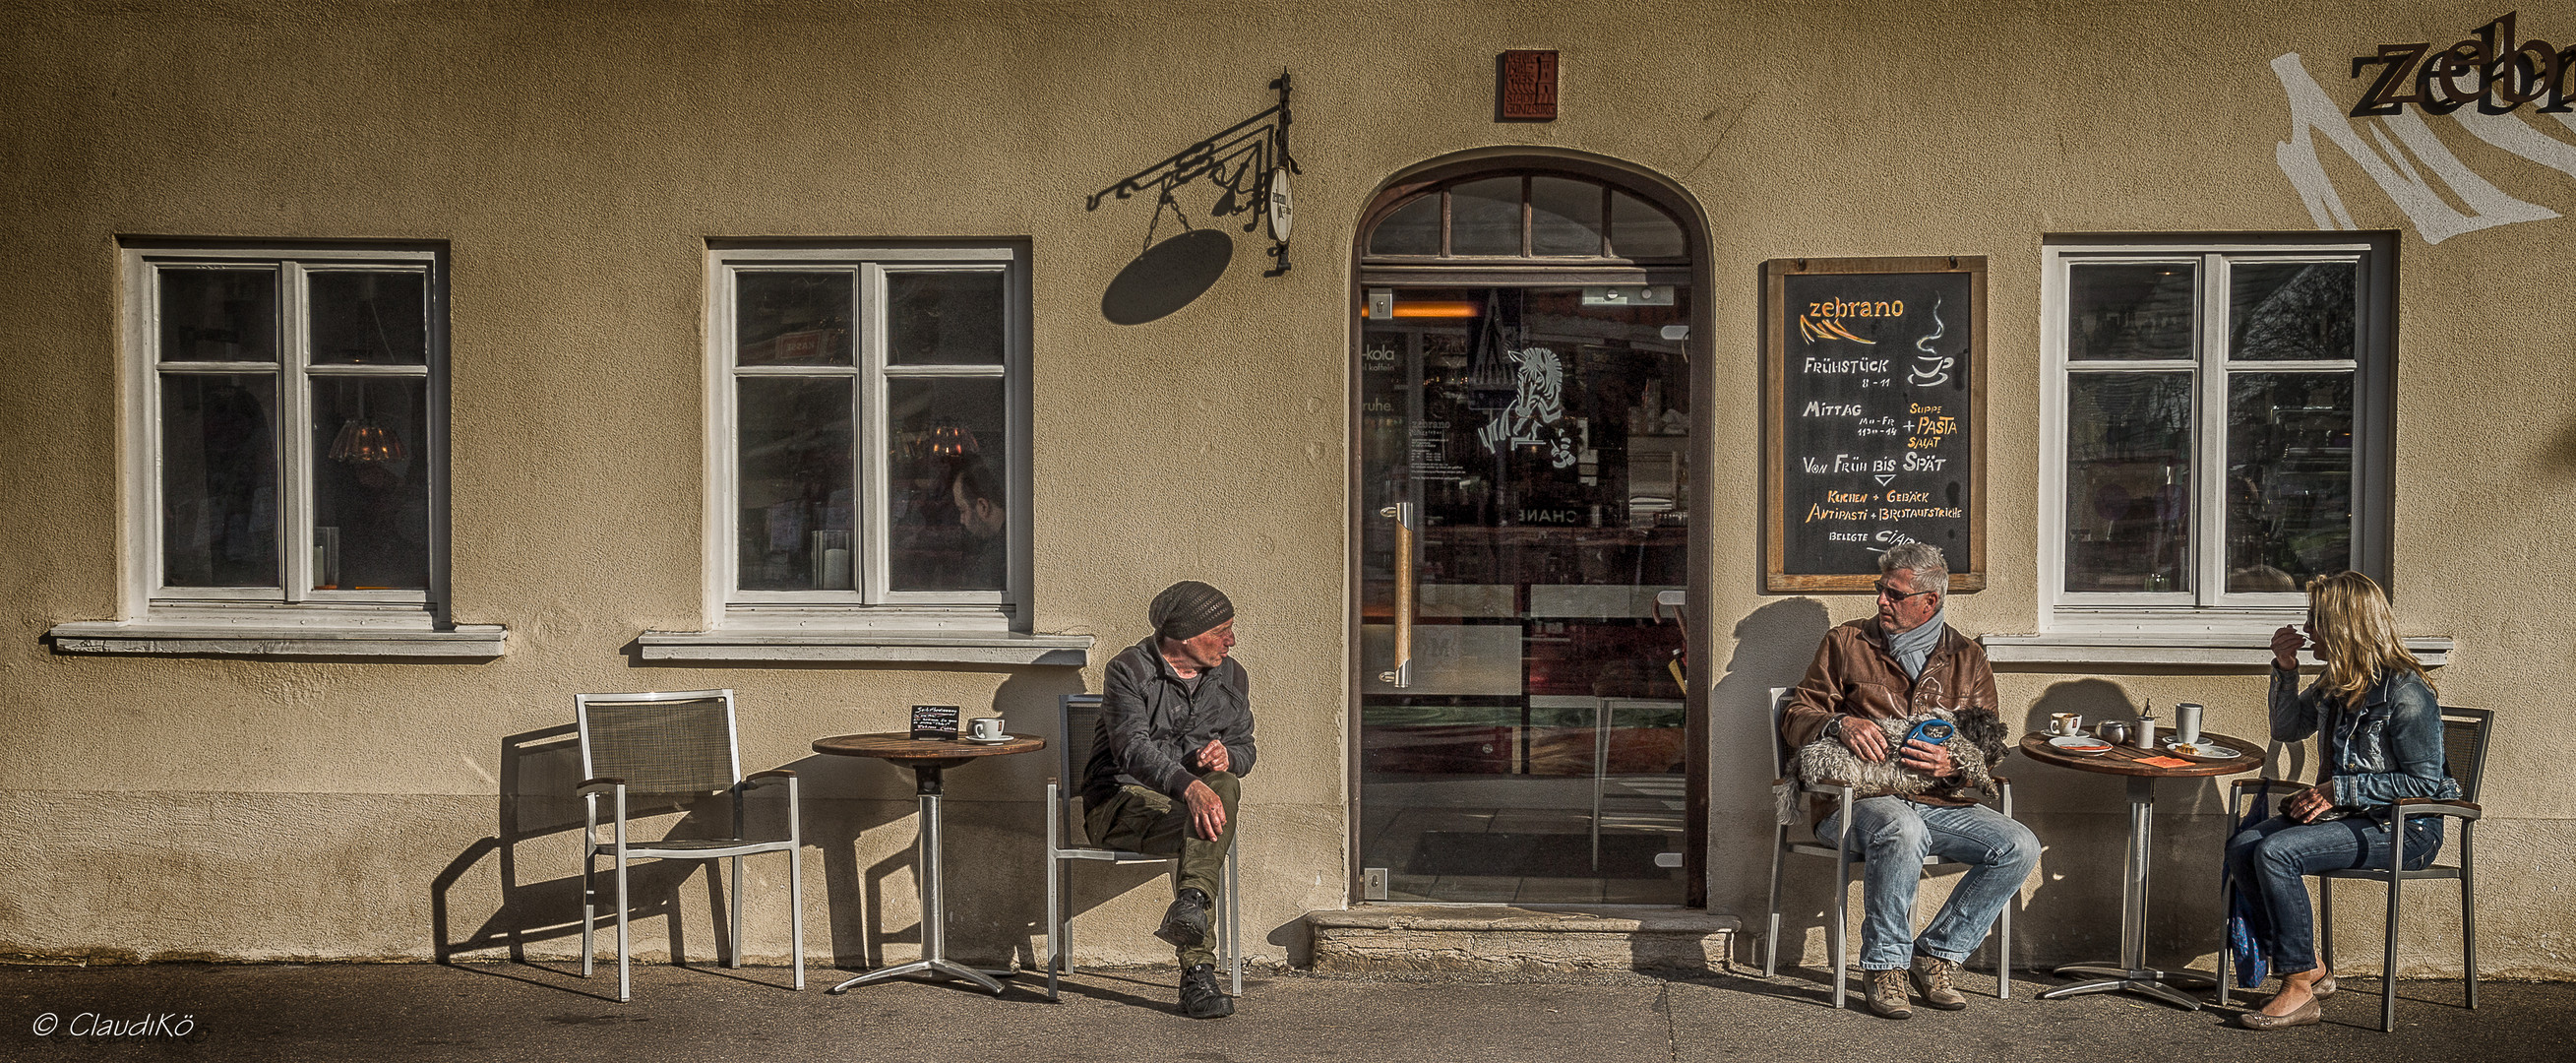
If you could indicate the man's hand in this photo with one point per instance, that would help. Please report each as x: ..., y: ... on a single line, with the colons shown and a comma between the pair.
x: 1864, y: 739
x: 2306, y: 805
x: 1214, y: 757
x: 1207, y: 811
x: 1926, y: 757
x: 2286, y: 644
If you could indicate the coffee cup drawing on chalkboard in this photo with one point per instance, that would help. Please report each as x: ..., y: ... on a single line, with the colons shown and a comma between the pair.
x: 1930, y: 369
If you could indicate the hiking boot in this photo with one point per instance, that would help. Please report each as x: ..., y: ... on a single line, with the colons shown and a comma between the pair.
x: 1886, y: 996
x: 1185, y: 923
x: 1200, y: 998
x: 1931, y: 977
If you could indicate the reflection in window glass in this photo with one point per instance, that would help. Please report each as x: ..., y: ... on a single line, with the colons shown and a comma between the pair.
x: 218, y: 315
x: 370, y: 483
x: 2290, y: 310
x: 1565, y: 217
x: 1638, y: 230
x: 944, y: 318
x: 2128, y: 482
x: 2130, y: 312
x: 368, y: 317
x: 1485, y: 217
x: 219, y: 522
x: 2289, y: 479
x: 947, y: 517
x: 784, y: 318
x: 1413, y: 229
x: 797, y: 493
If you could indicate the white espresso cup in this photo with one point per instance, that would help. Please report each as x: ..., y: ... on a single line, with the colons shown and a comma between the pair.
x: 2066, y: 723
x: 985, y: 729
x: 2187, y: 723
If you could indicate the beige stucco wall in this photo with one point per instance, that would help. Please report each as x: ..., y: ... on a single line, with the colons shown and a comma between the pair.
x: 575, y: 158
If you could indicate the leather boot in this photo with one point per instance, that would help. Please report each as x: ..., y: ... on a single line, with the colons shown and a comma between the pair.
x: 1185, y: 923
x: 1200, y: 998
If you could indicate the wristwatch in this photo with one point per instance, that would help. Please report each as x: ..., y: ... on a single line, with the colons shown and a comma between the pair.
x: 1834, y: 727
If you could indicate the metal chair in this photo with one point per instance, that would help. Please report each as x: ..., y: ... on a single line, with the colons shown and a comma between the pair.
x: 1078, y: 731
x: 678, y: 745
x: 2464, y: 741
x: 1838, y: 933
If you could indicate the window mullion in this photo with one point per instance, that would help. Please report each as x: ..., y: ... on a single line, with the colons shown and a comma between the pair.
x: 295, y: 406
x: 2209, y: 426
x: 872, y: 513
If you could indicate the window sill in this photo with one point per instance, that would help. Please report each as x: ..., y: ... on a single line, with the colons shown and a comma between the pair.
x: 283, y: 633
x: 861, y: 645
x: 2221, y: 649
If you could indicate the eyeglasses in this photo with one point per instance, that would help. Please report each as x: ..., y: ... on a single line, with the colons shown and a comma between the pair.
x: 1894, y: 595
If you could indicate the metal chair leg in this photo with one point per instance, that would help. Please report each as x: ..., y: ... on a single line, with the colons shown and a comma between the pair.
x: 589, y: 896
x: 2325, y: 923
x: 1054, y: 885
x: 2469, y: 912
x: 1841, y: 958
x: 1233, y: 917
x: 625, y: 985
x: 2003, y: 933
x: 735, y: 932
x: 2388, y: 961
x: 1771, y: 939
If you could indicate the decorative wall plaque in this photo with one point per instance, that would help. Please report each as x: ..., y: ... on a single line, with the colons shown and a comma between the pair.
x: 1528, y: 86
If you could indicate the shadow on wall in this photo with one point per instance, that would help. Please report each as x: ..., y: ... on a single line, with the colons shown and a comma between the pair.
x: 1235, y: 165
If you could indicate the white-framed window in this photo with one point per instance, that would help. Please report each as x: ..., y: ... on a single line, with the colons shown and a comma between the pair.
x: 868, y: 436
x: 289, y: 412
x: 2216, y: 427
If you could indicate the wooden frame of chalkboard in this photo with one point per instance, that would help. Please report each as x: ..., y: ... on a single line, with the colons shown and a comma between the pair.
x: 1873, y: 417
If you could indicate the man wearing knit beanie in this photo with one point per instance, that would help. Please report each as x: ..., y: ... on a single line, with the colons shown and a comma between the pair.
x: 1175, y: 738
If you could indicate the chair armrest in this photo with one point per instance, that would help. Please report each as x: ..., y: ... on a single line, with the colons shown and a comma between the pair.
x: 766, y: 778
x: 2268, y: 785
x: 2434, y: 806
x: 601, y: 785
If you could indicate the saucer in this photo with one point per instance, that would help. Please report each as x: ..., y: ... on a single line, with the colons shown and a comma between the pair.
x: 1004, y: 738
x: 2081, y: 745
x: 2206, y: 750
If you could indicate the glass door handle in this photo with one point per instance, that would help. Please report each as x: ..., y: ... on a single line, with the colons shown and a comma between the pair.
x: 1402, y: 676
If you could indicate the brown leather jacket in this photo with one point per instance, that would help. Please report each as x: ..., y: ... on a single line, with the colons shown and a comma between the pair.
x: 1855, y: 675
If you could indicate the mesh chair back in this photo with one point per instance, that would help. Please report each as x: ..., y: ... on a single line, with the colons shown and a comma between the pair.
x: 680, y: 743
x: 2464, y: 747
x: 1081, y: 721
x: 1779, y: 745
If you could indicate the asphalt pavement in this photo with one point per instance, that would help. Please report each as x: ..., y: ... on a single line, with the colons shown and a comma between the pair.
x: 546, y: 1012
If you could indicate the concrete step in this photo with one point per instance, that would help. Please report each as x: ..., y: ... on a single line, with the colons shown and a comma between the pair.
x: 1396, y: 938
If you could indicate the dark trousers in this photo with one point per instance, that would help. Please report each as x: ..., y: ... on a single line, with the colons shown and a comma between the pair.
x: 1146, y: 821
x: 2271, y: 860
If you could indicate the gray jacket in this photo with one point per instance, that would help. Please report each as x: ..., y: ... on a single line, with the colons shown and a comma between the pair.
x: 1151, y: 723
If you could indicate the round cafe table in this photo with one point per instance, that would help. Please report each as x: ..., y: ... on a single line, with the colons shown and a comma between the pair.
x: 2131, y: 972
x: 928, y: 759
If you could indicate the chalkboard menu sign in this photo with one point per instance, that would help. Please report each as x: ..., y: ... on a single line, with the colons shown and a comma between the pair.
x: 1873, y: 417
x: 934, y: 721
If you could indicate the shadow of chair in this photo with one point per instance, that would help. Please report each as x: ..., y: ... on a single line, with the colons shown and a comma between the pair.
x: 1844, y: 858
x: 1077, y: 731
x: 2464, y: 741
x: 680, y: 746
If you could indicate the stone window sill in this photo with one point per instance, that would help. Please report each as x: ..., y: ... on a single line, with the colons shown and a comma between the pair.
x: 868, y: 645
x: 284, y: 634
x: 2208, y: 649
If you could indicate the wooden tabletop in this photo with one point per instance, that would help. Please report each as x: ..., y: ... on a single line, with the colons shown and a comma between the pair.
x: 902, y: 748
x: 2124, y: 759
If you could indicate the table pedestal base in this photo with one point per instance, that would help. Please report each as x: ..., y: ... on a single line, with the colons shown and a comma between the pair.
x: 933, y: 968
x: 934, y: 959
x: 2109, y: 978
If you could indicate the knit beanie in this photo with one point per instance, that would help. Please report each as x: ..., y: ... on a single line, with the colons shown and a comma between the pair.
x: 1188, y: 609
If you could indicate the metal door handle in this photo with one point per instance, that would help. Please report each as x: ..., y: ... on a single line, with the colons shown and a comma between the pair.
x: 1402, y: 514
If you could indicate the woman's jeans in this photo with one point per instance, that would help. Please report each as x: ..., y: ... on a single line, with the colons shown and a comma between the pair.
x: 1894, y: 835
x: 2271, y: 859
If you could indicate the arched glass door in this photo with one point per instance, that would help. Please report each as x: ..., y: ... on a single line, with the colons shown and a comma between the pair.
x: 1524, y: 431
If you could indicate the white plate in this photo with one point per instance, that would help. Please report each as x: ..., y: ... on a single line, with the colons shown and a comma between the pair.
x: 2081, y: 745
x: 2203, y: 751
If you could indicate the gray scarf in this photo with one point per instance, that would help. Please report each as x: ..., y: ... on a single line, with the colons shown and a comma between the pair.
x: 1913, y: 647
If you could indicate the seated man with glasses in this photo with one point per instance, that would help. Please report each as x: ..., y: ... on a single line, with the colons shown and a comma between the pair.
x: 1903, y: 662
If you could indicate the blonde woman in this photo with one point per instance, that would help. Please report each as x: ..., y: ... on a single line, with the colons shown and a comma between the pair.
x: 2381, y: 739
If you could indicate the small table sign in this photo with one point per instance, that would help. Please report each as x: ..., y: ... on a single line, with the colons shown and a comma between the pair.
x: 937, y: 722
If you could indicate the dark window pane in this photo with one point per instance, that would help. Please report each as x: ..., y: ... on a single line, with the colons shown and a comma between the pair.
x: 1565, y: 217
x: 2289, y: 479
x: 791, y: 318
x: 1639, y: 230
x: 1485, y: 217
x: 948, y: 515
x: 1413, y: 229
x: 2130, y: 312
x: 944, y: 318
x: 2290, y: 310
x: 219, y: 480
x: 370, y: 483
x: 798, y: 493
x: 2128, y: 482
x: 369, y: 317
x: 218, y: 315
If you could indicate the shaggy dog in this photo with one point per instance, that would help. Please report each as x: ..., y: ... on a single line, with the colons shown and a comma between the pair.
x: 1974, y: 749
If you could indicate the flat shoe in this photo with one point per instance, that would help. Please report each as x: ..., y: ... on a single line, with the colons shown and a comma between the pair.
x: 2308, y: 1014
x: 2324, y: 988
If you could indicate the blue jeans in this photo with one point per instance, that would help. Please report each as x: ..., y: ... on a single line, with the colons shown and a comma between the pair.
x: 1894, y: 835
x: 2271, y: 860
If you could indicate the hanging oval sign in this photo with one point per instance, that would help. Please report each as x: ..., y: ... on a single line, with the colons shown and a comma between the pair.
x: 1283, y: 205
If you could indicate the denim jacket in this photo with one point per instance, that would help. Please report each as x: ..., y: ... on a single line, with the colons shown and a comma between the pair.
x: 2388, y: 747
